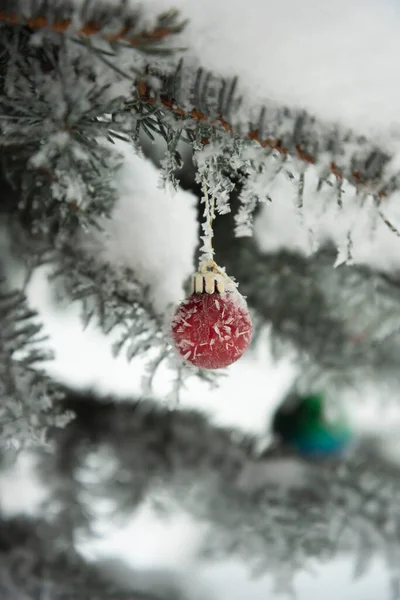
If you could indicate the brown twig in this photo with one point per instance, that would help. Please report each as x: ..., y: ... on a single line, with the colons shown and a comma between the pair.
x: 272, y: 143
x: 136, y: 41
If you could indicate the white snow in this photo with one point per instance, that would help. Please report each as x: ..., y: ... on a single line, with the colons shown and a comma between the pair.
x: 83, y: 357
x: 279, y: 224
x: 21, y: 490
x: 152, y: 230
x: 335, y: 59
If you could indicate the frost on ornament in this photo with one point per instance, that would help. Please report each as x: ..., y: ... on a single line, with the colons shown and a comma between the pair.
x: 212, y: 327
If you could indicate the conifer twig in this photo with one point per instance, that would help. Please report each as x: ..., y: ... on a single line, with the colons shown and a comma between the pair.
x: 140, y: 40
x: 144, y: 93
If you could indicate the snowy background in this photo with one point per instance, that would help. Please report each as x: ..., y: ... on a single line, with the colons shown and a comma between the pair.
x: 339, y: 61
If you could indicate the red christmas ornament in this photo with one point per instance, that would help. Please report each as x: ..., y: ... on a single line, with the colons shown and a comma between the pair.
x: 212, y: 327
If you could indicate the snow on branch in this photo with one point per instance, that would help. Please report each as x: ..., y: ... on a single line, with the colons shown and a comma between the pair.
x: 268, y: 141
x: 206, y: 101
x: 114, y: 299
x: 115, y: 22
x: 33, y: 565
x: 29, y: 399
x: 116, y: 94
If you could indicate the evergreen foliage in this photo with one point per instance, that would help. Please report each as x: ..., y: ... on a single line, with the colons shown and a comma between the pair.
x: 76, y: 80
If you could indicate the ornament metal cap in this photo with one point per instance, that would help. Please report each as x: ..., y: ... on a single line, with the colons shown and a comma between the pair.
x: 210, y: 279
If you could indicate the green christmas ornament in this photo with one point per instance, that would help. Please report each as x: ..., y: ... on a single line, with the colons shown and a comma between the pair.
x: 303, y: 423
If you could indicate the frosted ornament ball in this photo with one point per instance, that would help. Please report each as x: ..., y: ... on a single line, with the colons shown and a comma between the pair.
x: 212, y: 328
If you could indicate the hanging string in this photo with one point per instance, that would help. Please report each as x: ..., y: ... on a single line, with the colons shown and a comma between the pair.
x: 207, y: 262
x: 209, y: 214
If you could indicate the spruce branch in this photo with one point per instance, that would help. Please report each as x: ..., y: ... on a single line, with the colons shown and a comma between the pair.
x: 118, y: 303
x: 63, y: 178
x: 34, y: 565
x: 309, y: 153
x: 206, y: 102
x: 117, y: 24
x: 342, y: 322
x: 29, y: 400
x: 110, y: 298
x: 276, y: 510
x: 21, y: 329
x: 182, y: 102
x: 294, y: 133
x: 54, y: 158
